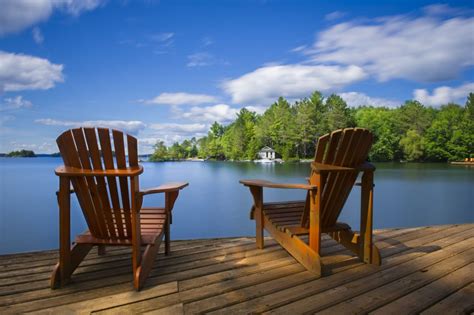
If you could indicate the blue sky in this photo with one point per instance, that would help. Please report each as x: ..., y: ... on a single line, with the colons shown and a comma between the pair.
x: 168, y: 69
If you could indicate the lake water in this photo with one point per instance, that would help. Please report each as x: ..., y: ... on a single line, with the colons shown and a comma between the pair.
x: 216, y: 205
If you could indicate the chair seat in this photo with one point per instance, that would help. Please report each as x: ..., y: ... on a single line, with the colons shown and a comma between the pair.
x: 152, y: 221
x: 286, y: 217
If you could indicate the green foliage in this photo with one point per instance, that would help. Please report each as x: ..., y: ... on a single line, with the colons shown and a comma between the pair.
x: 21, y: 153
x: 237, y: 140
x: 160, y: 153
x: 383, y: 124
x: 450, y: 135
x: 410, y: 132
x: 338, y: 114
x: 412, y: 145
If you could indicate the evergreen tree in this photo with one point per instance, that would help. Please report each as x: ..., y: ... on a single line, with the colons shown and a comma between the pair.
x: 338, y: 115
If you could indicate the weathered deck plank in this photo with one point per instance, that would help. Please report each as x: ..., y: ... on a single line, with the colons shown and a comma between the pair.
x: 437, y: 290
x: 360, y: 271
x: 460, y: 302
x: 431, y: 267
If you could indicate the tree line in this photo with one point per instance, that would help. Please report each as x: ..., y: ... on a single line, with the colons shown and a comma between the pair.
x: 411, y: 132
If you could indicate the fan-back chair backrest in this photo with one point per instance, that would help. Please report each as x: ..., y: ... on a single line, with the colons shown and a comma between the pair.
x: 106, y: 205
x: 344, y: 147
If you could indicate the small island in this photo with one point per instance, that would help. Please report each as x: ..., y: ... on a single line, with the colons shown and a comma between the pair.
x: 21, y: 153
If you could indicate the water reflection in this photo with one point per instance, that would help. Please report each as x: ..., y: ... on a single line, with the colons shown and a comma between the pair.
x: 215, y: 204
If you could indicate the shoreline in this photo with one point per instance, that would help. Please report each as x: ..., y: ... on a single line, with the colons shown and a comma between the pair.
x: 276, y: 161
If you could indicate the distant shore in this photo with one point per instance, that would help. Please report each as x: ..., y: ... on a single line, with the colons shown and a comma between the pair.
x: 144, y: 158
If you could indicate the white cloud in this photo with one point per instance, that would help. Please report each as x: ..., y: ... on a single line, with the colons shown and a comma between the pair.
x: 16, y: 15
x: 162, y: 37
x: 221, y: 113
x: 16, y: 103
x: 170, y: 133
x: 334, y: 15
x: 299, y: 49
x: 160, y: 43
x: 200, y: 59
x: 443, y: 94
x: 354, y: 99
x: 180, y: 128
x: 426, y: 48
x: 180, y: 98
x: 257, y: 109
x: 37, y: 35
x: 164, y: 41
x: 130, y: 126
x: 146, y: 144
x: 207, y: 41
x: 45, y: 147
x: 444, y: 10
x: 19, y: 14
x: 266, y: 84
x: 77, y: 7
x: 22, y: 72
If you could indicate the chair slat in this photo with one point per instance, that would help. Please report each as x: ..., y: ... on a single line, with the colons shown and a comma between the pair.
x: 346, y: 147
x: 121, y: 163
x: 345, y: 181
x: 319, y: 155
x: 360, y: 150
x: 321, y: 148
x: 82, y: 150
x: 68, y: 151
x: 106, y: 148
x: 332, y: 146
x: 94, y: 153
x: 332, y: 185
x: 132, y: 151
x: 331, y: 150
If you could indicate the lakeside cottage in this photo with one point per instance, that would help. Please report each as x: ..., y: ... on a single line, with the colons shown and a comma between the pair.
x: 267, y: 153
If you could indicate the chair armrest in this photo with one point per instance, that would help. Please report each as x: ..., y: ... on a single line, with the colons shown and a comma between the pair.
x: 74, y: 171
x: 366, y: 166
x: 168, y: 187
x: 71, y: 191
x: 268, y: 184
x: 324, y: 168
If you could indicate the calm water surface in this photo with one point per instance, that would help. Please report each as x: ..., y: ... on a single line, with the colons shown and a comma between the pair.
x: 215, y: 205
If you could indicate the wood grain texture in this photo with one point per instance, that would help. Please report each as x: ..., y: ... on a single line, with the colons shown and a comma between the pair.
x: 424, y: 269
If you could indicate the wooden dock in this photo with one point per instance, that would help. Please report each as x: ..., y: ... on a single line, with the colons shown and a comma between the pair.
x: 427, y: 269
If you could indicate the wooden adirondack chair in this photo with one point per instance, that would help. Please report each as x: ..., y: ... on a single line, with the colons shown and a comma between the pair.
x: 339, y: 158
x: 108, y: 192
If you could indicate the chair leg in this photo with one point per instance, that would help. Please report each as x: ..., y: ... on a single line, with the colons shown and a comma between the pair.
x: 69, y: 257
x: 167, y: 237
x: 298, y: 248
x: 146, y: 265
x: 348, y: 239
x: 257, y: 194
x: 68, y: 262
x: 170, y: 199
x: 368, y: 252
x: 259, y: 229
x: 355, y: 243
